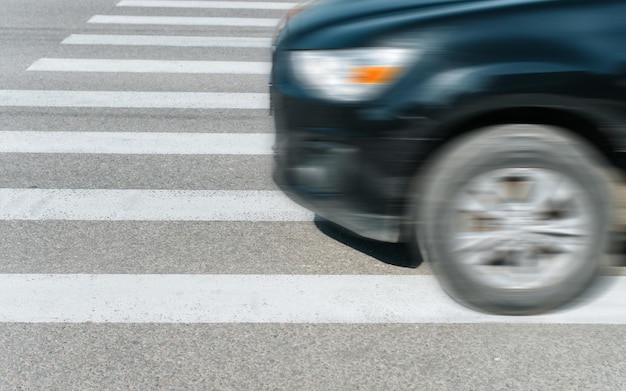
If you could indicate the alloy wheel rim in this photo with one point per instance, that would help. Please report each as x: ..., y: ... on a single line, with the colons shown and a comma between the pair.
x: 521, y: 228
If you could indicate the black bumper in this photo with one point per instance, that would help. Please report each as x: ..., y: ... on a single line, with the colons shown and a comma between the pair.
x: 347, y: 165
x: 333, y: 206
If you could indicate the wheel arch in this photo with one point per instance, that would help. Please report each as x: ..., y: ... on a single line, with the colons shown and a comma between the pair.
x: 584, y: 126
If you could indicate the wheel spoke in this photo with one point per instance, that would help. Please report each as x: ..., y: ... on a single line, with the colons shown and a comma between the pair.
x: 563, y: 228
x: 544, y: 187
x: 476, y: 242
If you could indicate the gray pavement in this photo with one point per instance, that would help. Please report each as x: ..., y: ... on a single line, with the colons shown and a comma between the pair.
x: 312, y: 357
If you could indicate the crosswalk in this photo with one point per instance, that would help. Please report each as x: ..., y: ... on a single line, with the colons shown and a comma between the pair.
x: 389, y: 297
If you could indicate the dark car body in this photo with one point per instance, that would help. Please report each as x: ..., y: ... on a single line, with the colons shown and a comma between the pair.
x: 480, y: 63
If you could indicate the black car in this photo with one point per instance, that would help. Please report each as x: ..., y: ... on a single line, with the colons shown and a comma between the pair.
x: 490, y: 134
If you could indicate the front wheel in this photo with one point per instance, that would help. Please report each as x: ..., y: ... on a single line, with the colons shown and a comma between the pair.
x: 514, y: 219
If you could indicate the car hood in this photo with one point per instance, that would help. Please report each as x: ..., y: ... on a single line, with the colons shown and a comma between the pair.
x: 321, y: 13
x: 339, y: 9
x: 324, y: 12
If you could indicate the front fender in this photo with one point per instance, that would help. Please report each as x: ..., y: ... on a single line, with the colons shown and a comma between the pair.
x: 452, y: 87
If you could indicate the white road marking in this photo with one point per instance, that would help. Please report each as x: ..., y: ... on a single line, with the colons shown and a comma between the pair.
x: 149, y: 205
x: 183, y: 21
x: 167, y: 40
x: 207, y: 4
x: 133, y: 99
x: 137, y: 143
x: 102, y: 298
x: 149, y: 66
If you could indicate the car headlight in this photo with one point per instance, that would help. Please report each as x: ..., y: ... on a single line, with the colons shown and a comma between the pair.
x: 350, y: 75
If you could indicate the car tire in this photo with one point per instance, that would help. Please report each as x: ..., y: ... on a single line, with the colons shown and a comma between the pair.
x: 514, y: 219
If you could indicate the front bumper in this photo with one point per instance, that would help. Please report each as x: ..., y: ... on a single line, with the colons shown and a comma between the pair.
x: 346, y: 165
x: 319, y: 185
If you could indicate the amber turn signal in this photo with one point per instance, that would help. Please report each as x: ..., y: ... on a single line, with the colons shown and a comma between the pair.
x: 373, y: 74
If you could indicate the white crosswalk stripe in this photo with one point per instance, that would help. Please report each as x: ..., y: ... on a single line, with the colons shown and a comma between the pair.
x: 206, y: 4
x: 133, y: 99
x: 72, y: 298
x: 166, y: 40
x: 149, y: 205
x: 183, y: 21
x: 149, y: 66
x: 146, y: 143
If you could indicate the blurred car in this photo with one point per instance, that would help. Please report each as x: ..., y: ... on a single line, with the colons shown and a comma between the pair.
x: 489, y: 134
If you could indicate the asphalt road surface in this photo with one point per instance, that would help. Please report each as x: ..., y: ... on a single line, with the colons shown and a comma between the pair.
x: 145, y: 247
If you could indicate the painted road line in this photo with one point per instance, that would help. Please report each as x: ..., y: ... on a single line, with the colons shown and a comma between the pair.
x: 149, y: 205
x: 149, y: 66
x: 119, y: 298
x: 207, y: 4
x: 148, y: 143
x: 133, y: 99
x: 183, y: 21
x: 167, y: 40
